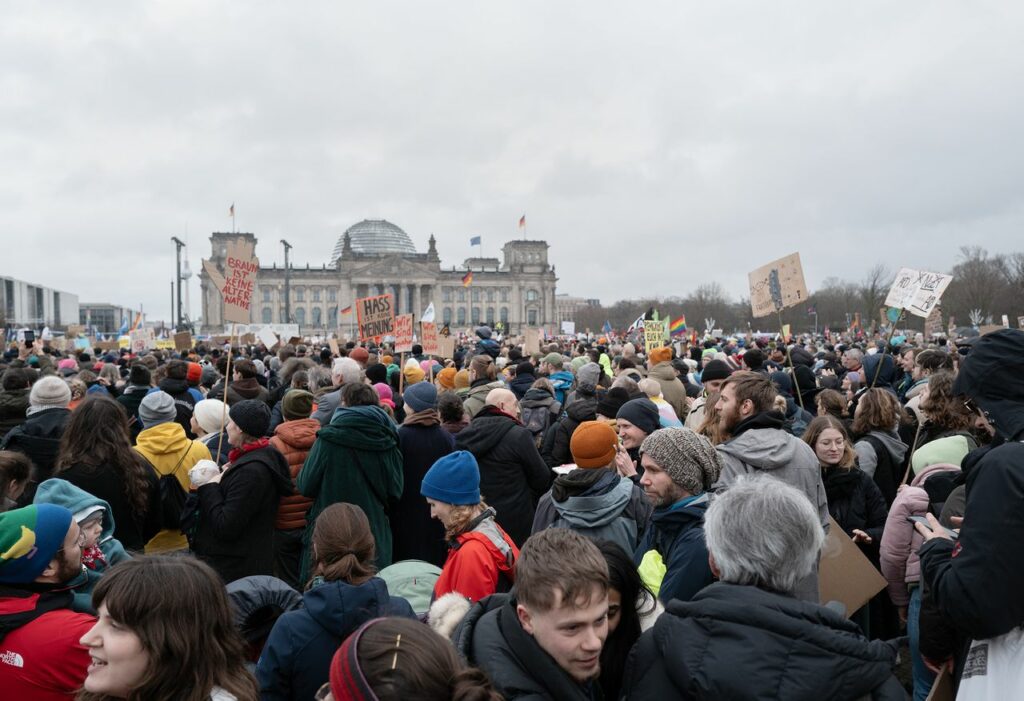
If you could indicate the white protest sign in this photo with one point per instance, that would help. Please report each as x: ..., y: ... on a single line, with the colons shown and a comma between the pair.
x: 777, y: 286
x: 267, y: 337
x: 917, y: 291
x: 569, y: 328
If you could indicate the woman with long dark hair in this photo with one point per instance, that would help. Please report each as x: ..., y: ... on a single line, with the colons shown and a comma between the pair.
x: 96, y: 455
x: 343, y: 594
x: 165, y: 633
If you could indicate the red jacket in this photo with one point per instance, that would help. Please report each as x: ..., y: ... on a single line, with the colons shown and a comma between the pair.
x: 294, y: 439
x: 43, y: 660
x: 476, y: 562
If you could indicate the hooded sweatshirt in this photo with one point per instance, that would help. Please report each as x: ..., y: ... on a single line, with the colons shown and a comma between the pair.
x: 297, y: 656
x: 867, y: 458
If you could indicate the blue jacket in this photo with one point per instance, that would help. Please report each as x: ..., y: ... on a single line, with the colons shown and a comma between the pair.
x: 678, y: 536
x: 562, y: 380
x: 297, y: 657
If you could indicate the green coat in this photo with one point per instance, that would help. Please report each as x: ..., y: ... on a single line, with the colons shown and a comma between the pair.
x: 355, y: 459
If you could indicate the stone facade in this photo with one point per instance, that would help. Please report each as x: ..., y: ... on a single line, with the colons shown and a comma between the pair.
x: 515, y: 292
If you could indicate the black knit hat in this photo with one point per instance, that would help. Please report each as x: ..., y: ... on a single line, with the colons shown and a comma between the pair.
x: 139, y: 375
x: 609, y: 405
x: 378, y: 372
x: 715, y: 370
x: 252, y: 416
x: 642, y: 413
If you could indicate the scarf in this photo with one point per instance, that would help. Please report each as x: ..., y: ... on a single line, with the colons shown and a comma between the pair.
x: 424, y: 417
x: 839, y: 483
x: 247, y: 448
x: 93, y: 557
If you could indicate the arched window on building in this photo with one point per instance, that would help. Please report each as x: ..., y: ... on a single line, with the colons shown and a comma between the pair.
x: 300, y: 316
x: 268, y: 315
x: 462, y: 316
x: 490, y: 316
x: 476, y: 315
x: 531, y: 317
x: 317, y: 316
x: 447, y: 315
x: 332, y: 317
x: 266, y: 295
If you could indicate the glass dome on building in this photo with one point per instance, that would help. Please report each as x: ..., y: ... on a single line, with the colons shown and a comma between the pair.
x: 375, y: 236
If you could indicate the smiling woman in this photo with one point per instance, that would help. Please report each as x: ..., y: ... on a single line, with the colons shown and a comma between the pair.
x: 164, y: 632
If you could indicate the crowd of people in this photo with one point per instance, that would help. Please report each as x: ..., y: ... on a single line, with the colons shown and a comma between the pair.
x: 589, y: 520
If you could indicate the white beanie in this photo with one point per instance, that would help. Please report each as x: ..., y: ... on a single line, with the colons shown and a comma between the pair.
x: 208, y: 414
x: 49, y: 393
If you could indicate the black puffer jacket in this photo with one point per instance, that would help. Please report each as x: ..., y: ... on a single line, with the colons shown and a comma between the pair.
x: 491, y: 637
x: 13, y: 405
x: 512, y: 474
x: 855, y: 502
x: 236, y: 517
x: 741, y: 642
x: 556, y: 451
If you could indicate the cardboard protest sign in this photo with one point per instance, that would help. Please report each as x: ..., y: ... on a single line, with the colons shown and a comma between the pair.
x: 933, y: 324
x: 942, y: 689
x: 777, y: 286
x: 238, y: 281
x: 375, y: 317
x: 108, y: 345
x: 845, y: 574
x: 267, y: 337
x: 335, y: 351
x: 917, y: 291
x: 655, y: 333
x: 75, y: 330
x: 183, y: 341
x: 531, y: 344
x: 139, y: 341
x: 986, y: 329
x: 446, y: 347
x: 428, y: 334
x: 403, y: 333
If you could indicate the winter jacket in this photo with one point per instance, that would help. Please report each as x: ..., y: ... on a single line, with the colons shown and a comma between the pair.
x: 415, y: 535
x: 556, y: 451
x: 521, y: 383
x: 741, y: 642
x: 326, y: 405
x: 293, y: 439
x: 356, y: 459
x: 249, y: 388
x: 855, y: 502
x: 512, y: 474
x: 676, y: 539
x: 672, y: 388
x: 130, y: 399
x: 13, y: 408
x: 236, y: 515
x: 132, y: 528
x: 480, y: 561
x: 185, y: 399
x: 696, y: 416
x: 490, y: 637
x: 217, y: 444
x: 476, y: 397
x: 887, y: 469
x: 759, y: 445
x: 297, y: 657
x: 76, y: 500
x: 900, y: 540
x: 41, y: 658
x: 599, y: 504
x: 540, y: 411
x: 39, y: 440
x: 563, y: 381
x: 170, y: 451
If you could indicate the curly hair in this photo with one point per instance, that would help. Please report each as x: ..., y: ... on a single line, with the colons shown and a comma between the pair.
x: 941, y: 407
x: 877, y: 410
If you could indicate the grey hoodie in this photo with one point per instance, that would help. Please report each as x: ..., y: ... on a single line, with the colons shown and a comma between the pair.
x: 867, y: 460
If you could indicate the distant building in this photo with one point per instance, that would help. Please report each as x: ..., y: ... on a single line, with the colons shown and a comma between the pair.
x: 567, y: 306
x: 26, y: 304
x: 376, y: 257
x: 106, y: 318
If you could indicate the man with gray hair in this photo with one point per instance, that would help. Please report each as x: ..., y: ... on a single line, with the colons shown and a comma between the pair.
x: 344, y: 371
x: 679, y: 467
x: 746, y: 636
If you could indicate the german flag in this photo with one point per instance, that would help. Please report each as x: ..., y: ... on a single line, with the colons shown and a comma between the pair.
x: 346, y: 310
x: 467, y: 279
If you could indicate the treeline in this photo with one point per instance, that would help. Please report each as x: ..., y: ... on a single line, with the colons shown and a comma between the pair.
x: 985, y: 286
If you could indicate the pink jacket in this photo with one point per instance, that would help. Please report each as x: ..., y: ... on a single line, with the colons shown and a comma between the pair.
x: 900, y: 540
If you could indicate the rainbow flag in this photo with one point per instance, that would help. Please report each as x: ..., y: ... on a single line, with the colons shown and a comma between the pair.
x: 138, y: 321
x: 467, y: 279
x: 678, y: 326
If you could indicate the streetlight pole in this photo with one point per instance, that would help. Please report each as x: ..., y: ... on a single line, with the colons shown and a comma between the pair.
x: 287, y: 288
x: 179, y: 244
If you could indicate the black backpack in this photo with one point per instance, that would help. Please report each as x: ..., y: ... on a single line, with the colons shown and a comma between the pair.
x: 538, y: 419
x: 172, y: 496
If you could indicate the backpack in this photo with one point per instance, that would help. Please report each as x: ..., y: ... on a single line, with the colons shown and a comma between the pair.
x: 538, y: 419
x: 172, y: 496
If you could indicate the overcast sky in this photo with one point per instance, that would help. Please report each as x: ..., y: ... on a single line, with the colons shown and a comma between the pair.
x: 654, y: 145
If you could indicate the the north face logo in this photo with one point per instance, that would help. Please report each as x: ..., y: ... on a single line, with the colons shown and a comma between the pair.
x: 12, y: 658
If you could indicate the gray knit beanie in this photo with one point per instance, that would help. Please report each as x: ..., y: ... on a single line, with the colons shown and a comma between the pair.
x: 49, y: 392
x: 157, y: 408
x: 689, y: 458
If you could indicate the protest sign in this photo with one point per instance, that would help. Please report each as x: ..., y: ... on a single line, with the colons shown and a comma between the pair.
x: 531, y: 344
x: 375, y: 317
x: 75, y: 330
x: 335, y: 351
x: 139, y: 341
x: 986, y: 329
x: 238, y: 281
x: 917, y: 291
x: 81, y: 344
x: 845, y: 574
x: 777, y: 285
x: 428, y: 334
x: 655, y: 333
x: 403, y: 333
x: 267, y: 337
x: 183, y: 341
x: 1020, y: 322
x: 569, y: 328
x: 942, y: 689
x: 108, y: 345
x: 933, y: 324
x: 1006, y: 321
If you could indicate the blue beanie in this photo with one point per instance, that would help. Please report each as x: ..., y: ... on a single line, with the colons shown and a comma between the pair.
x: 420, y: 396
x: 454, y: 479
x: 29, y: 539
